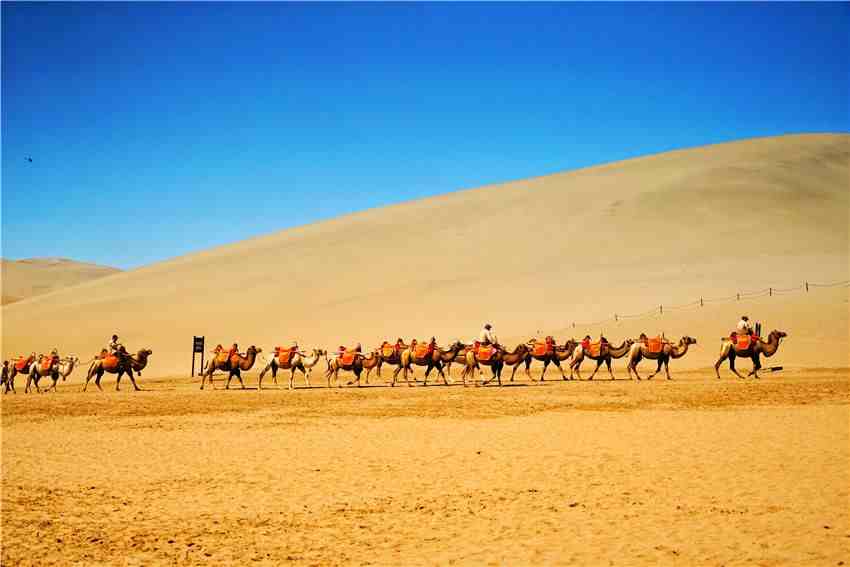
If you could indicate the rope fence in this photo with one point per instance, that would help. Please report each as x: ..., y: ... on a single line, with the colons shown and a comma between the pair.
x: 804, y: 287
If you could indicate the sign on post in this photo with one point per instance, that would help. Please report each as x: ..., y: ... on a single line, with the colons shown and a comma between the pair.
x: 197, y: 347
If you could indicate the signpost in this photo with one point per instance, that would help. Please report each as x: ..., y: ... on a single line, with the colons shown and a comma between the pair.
x: 197, y: 347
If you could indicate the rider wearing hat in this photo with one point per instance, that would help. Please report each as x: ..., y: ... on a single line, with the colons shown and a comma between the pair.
x: 487, y: 336
x: 744, y: 327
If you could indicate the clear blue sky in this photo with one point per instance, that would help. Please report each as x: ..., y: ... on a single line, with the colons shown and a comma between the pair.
x: 158, y: 129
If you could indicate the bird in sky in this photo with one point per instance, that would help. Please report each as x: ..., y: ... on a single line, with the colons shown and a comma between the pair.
x: 28, y: 158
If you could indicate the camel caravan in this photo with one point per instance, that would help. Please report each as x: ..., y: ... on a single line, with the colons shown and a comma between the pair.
x: 473, y: 357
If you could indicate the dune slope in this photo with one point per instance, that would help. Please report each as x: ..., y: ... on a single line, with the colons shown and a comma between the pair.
x: 530, y: 255
x: 26, y: 278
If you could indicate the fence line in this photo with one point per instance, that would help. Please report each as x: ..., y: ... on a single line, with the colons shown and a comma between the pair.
x: 702, y: 301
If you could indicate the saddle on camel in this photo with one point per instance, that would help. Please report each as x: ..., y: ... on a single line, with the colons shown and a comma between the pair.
x: 654, y: 345
x: 484, y: 352
x: 544, y: 347
x: 110, y: 361
x: 47, y: 362
x: 742, y: 342
x: 593, y: 348
x: 284, y: 355
x: 24, y: 361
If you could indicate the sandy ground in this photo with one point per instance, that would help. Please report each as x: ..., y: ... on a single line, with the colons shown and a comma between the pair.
x: 690, y: 472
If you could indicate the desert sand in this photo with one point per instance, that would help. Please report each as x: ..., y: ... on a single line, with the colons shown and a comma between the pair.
x: 530, y: 255
x: 29, y: 277
x: 693, y: 471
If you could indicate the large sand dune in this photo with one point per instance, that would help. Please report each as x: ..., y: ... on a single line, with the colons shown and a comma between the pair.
x: 36, y: 276
x: 530, y: 255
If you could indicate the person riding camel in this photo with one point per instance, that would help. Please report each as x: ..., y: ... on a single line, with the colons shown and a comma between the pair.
x: 585, y: 342
x: 744, y: 327
x: 487, y: 337
x: 117, y: 349
x: 5, y: 372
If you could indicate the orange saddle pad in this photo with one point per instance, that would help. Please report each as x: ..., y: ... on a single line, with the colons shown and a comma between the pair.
x: 422, y: 350
x: 347, y: 357
x: 654, y: 345
x: 593, y: 349
x: 742, y: 342
x: 221, y: 358
x: 387, y: 350
x: 110, y: 362
x: 540, y: 349
x: 46, y: 363
x: 234, y: 360
x: 485, y: 352
x: 283, y: 357
x: 21, y: 364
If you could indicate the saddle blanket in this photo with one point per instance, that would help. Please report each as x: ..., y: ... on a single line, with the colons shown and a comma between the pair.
x: 654, y: 345
x: 485, y: 352
x: 541, y: 349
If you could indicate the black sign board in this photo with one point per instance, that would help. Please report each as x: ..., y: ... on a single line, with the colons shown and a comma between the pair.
x: 197, y: 347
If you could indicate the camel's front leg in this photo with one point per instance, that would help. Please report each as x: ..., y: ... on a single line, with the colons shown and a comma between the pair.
x: 595, y: 370
x: 667, y: 368
x: 133, y: 381
x: 557, y: 363
x: 756, y: 366
x: 545, y: 366
x: 732, y: 366
x: 307, y: 376
x: 657, y: 369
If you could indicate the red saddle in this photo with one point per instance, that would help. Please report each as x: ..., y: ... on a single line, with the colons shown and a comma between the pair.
x: 542, y: 348
x: 743, y: 342
x: 347, y: 358
x: 284, y: 356
x: 423, y: 350
x: 485, y: 352
x: 47, y: 363
x: 387, y: 350
x: 654, y: 345
x: 22, y: 363
x: 592, y: 349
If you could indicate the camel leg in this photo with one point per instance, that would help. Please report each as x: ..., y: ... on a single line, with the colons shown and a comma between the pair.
x: 239, y: 376
x: 136, y: 387
x: 307, y: 374
x: 756, y: 366
x: 274, y: 372
x: 395, y: 374
x: 408, y: 379
x: 545, y: 366
x: 598, y: 364
x: 732, y: 366
x: 98, y: 378
x: 717, y: 364
x: 608, y: 364
x: 514, y: 370
x: 557, y: 363
x: 667, y: 368
x: 446, y: 380
x: 659, y: 362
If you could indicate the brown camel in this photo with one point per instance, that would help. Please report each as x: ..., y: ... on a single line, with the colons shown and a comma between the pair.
x: 662, y: 353
x: 429, y: 358
x: 387, y: 354
x: 605, y: 354
x: 60, y: 368
x: 495, y: 361
x: 20, y: 366
x: 460, y: 358
x: 350, y: 361
x: 369, y: 363
x: 118, y: 365
x: 292, y: 362
x: 555, y: 354
x: 519, y: 355
x: 756, y: 348
x: 234, y: 366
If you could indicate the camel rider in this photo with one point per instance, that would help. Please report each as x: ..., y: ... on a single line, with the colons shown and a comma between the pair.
x: 5, y: 371
x: 117, y: 349
x: 744, y: 327
x: 585, y: 342
x: 487, y: 336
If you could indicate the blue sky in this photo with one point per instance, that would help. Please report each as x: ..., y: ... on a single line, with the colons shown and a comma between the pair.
x: 158, y: 129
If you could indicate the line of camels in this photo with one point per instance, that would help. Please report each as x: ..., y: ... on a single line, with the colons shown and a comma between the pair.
x: 405, y: 357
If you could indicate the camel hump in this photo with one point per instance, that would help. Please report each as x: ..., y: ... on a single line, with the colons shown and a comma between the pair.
x: 542, y: 348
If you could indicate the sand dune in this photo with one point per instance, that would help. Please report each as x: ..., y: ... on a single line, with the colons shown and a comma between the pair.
x: 26, y: 278
x: 530, y: 255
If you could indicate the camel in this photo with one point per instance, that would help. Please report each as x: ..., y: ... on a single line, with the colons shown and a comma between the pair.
x: 755, y: 349
x: 460, y: 358
x: 432, y: 359
x: 556, y: 356
x: 61, y: 368
x: 350, y: 361
x: 369, y: 363
x: 606, y: 353
x: 296, y: 361
x: 640, y: 350
x: 495, y: 362
x: 519, y: 355
x: 19, y: 366
x: 393, y: 357
x: 120, y: 366
x: 233, y: 365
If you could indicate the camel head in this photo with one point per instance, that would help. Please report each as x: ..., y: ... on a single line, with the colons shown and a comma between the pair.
x: 145, y: 352
x: 778, y: 334
x: 689, y: 340
x: 253, y: 350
